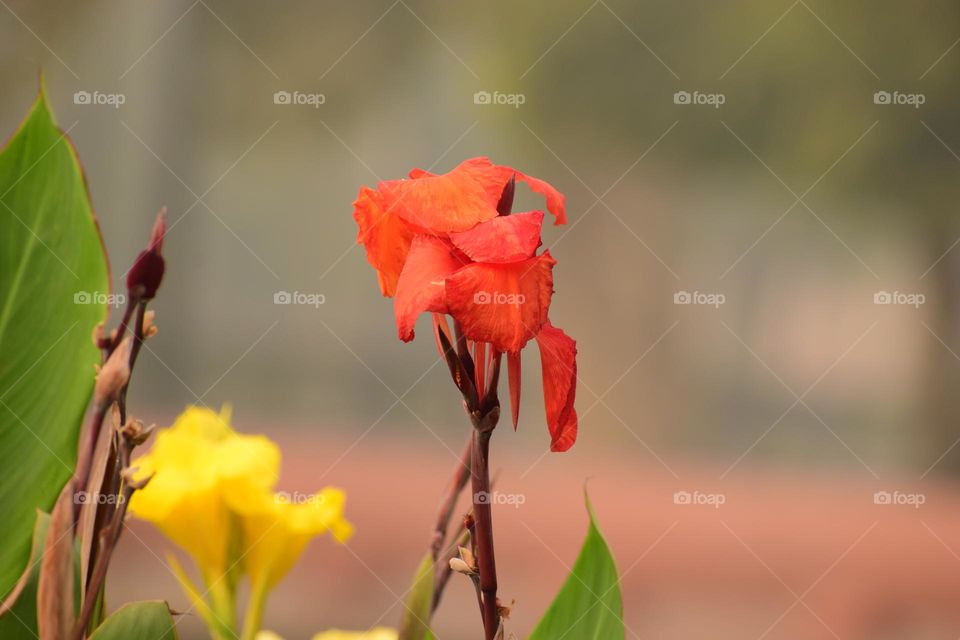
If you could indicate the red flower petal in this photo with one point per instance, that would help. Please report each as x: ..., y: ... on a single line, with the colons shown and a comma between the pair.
x: 558, y: 357
x: 420, y: 287
x: 555, y: 200
x: 503, y: 304
x: 453, y: 201
x: 502, y: 239
x: 513, y: 371
x: 385, y: 237
x: 494, y: 177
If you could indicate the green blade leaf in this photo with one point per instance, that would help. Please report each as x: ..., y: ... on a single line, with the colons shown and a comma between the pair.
x: 589, y: 606
x: 51, y: 263
x: 21, y: 621
x: 416, y: 614
x: 146, y: 620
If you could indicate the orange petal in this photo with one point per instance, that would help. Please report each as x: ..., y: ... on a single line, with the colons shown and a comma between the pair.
x: 503, y: 304
x: 494, y: 177
x: 513, y: 373
x: 558, y: 357
x: 453, y: 201
x: 420, y: 287
x: 386, y: 238
x: 502, y: 239
x: 555, y: 200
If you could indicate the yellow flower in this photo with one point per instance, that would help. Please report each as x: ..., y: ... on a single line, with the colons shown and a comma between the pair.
x: 275, y: 536
x: 211, y: 491
x: 380, y: 633
x: 199, y: 469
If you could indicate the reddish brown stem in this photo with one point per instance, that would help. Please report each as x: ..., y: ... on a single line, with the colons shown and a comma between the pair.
x: 483, y: 517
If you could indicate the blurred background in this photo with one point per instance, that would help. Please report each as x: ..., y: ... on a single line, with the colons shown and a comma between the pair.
x: 789, y: 169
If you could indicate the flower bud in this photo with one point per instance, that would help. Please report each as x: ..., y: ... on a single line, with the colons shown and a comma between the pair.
x: 145, y: 275
x: 114, y: 375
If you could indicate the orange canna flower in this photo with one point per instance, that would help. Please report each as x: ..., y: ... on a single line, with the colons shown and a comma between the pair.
x: 448, y: 244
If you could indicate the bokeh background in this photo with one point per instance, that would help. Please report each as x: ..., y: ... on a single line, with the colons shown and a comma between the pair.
x: 798, y: 199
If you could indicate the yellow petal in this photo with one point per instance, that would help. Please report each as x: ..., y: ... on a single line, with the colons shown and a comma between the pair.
x: 275, y: 538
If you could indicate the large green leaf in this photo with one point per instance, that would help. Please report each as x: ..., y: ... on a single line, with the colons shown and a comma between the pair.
x: 588, y: 606
x: 416, y: 613
x: 21, y: 621
x: 146, y: 620
x: 51, y: 262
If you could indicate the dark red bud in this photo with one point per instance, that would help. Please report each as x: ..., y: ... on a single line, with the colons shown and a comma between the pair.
x: 505, y: 205
x: 145, y: 275
x: 159, y: 230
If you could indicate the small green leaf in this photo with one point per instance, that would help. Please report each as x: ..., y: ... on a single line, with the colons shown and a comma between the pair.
x: 146, y: 620
x: 53, y: 275
x: 589, y: 606
x: 416, y: 614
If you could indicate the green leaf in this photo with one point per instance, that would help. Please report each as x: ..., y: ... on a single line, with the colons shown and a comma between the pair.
x: 50, y: 251
x: 588, y: 606
x: 147, y: 620
x: 416, y: 613
x: 21, y: 620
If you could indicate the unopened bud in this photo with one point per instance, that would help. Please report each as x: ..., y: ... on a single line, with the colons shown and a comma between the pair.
x: 114, y: 375
x: 505, y: 611
x: 149, y: 328
x: 136, y: 433
x: 145, y: 275
x: 467, y: 556
x: 460, y: 566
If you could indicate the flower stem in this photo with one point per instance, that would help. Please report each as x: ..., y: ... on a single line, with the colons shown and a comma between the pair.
x: 483, y: 517
x: 254, y: 616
